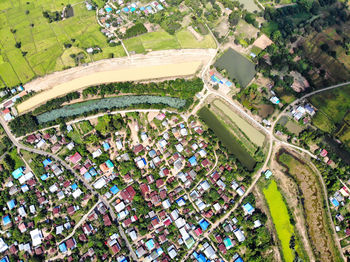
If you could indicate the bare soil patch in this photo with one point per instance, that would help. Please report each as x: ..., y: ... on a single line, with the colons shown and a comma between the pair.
x: 262, y: 42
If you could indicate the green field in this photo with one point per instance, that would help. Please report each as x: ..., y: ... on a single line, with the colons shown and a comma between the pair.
x: 42, y: 48
x: 332, y: 106
x: 237, y: 66
x: 281, y: 219
x: 252, y: 133
x: 161, y: 40
x: 249, y: 5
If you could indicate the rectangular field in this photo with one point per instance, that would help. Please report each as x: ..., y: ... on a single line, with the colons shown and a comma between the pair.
x: 281, y: 219
x: 237, y: 66
x: 161, y: 40
x: 251, y: 132
x: 226, y: 137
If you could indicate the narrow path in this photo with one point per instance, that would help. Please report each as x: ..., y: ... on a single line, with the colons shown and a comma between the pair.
x: 100, y: 24
x: 81, y: 221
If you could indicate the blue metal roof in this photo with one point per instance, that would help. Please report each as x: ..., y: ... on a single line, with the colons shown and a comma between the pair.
x: 6, y: 220
x: 114, y: 189
x: 204, y: 224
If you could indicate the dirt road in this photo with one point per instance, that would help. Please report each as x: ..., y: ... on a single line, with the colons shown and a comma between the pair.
x: 154, y: 65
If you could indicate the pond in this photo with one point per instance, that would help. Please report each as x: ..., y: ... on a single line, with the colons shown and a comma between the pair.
x: 110, y: 103
x: 227, y: 138
x: 237, y: 66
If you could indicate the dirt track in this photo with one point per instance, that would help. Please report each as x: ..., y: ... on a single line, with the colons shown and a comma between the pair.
x: 154, y: 65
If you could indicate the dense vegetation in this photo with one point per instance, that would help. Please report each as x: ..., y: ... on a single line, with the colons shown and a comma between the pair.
x: 181, y: 94
x: 181, y: 88
x: 56, y: 103
x: 305, y: 18
x: 135, y: 30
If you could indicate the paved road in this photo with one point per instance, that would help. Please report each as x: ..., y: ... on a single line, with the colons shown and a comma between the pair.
x: 68, y: 167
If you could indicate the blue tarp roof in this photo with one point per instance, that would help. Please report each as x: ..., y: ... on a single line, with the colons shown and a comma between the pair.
x: 87, y: 176
x: 44, y: 177
x: 239, y: 259
x: 63, y: 247
x: 74, y: 186
x: 108, y: 9
x: 125, y: 9
x: 204, y: 224
x: 109, y: 163
x: 227, y: 242
x: 193, y: 160
x: 199, y: 257
x: 47, y: 162
x: 6, y: 220
x: 106, y: 146
x: 11, y: 204
x: 150, y: 244
x: 18, y: 173
x: 248, y: 207
x: 180, y: 199
x: 114, y: 189
x: 228, y: 83
x: 5, y: 259
x: 93, y: 171
x: 335, y: 202
x: 142, y: 8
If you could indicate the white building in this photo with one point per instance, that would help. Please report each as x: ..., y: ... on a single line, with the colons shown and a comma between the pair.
x: 36, y: 236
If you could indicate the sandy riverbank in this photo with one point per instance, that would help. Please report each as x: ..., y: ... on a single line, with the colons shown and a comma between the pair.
x: 155, y: 65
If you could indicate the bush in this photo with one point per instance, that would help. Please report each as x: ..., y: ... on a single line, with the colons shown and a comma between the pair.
x: 135, y: 30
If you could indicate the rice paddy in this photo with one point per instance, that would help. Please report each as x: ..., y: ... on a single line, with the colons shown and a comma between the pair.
x: 281, y: 219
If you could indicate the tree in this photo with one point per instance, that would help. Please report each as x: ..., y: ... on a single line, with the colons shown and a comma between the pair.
x: 234, y: 18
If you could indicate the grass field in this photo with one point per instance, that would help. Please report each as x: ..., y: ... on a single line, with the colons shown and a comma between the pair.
x: 249, y: 5
x: 43, y: 42
x: 85, y: 127
x: 281, y: 219
x: 333, y: 107
x: 254, y: 135
x: 75, y: 135
x: 294, y: 127
x: 18, y: 161
x: 161, y: 40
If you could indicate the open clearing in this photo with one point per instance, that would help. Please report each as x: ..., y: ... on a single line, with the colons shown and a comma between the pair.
x: 281, y: 219
x: 251, y: 132
x: 161, y: 40
x: 318, y: 224
x: 249, y: 5
x: 333, y: 112
x: 155, y: 65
